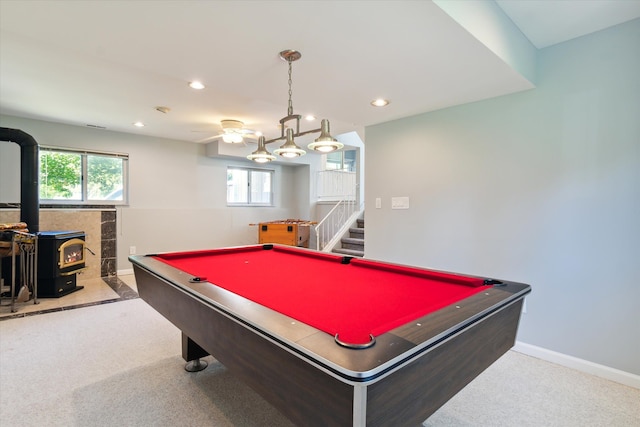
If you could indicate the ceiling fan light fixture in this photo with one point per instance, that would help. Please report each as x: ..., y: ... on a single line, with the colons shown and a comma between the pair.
x: 261, y: 155
x: 232, y: 138
x: 231, y: 124
x: 232, y: 131
x: 325, y: 143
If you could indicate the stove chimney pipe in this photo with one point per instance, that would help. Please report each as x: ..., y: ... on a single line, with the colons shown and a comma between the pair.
x: 29, y: 162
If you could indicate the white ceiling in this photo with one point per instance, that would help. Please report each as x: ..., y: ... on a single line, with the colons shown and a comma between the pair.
x: 110, y: 63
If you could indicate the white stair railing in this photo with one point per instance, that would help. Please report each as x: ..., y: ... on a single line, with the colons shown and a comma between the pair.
x: 340, y: 186
x: 330, y: 229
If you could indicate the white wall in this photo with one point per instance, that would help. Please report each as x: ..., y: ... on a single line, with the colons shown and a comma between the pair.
x: 177, y: 194
x: 541, y: 187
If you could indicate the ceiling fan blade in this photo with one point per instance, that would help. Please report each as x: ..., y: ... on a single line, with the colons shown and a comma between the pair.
x: 233, y: 127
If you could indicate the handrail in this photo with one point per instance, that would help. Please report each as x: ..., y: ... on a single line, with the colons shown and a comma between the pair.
x: 340, y: 186
x: 318, y: 225
x: 327, y: 230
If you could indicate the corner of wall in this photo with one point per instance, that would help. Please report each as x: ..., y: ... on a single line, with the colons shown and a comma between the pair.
x: 488, y: 23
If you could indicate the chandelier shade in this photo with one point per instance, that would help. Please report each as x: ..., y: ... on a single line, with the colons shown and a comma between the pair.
x: 289, y: 149
x: 325, y: 143
x: 261, y: 155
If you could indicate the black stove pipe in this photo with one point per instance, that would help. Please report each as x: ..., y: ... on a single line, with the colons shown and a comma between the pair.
x: 29, y: 163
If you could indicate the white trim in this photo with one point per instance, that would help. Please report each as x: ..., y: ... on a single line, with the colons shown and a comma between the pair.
x: 84, y: 151
x: 622, y: 377
x: 124, y: 272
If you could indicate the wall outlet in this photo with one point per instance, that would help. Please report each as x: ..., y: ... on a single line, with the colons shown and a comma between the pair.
x: 132, y: 250
x: 378, y: 203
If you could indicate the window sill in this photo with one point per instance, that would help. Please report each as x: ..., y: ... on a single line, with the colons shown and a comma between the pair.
x: 8, y: 206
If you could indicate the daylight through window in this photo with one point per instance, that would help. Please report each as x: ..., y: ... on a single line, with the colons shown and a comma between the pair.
x: 253, y: 187
x: 69, y: 176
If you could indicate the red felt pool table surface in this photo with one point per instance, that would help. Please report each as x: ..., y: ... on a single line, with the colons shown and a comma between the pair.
x: 354, y: 300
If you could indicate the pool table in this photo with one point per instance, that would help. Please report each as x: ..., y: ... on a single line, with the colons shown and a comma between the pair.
x: 334, y: 340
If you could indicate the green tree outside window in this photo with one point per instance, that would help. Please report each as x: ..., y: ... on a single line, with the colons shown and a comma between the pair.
x: 80, y: 176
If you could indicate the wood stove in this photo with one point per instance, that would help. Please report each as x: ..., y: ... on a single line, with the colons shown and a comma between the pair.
x: 60, y: 257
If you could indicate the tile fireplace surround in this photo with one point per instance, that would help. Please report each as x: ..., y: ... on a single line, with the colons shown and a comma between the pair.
x: 99, y: 226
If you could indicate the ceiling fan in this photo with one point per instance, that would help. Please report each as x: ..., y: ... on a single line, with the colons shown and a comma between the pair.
x: 233, y: 132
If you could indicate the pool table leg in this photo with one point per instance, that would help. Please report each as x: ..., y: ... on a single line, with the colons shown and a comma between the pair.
x: 192, y: 352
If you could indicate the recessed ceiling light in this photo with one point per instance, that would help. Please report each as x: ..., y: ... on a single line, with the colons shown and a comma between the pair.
x: 196, y: 85
x: 380, y: 102
x: 138, y: 124
x: 310, y: 117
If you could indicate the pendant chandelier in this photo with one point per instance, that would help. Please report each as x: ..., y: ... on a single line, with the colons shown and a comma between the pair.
x: 325, y: 143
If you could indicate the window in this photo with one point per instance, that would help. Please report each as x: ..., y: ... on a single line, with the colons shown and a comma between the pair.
x: 249, y: 187
x: 338, y: 180
x: 341, y: 160
x: 73, y: 176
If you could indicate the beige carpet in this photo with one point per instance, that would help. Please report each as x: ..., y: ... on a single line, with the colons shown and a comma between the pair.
x: 119, y: 364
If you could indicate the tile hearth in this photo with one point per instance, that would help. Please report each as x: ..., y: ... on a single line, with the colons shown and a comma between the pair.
x: 96, y: 291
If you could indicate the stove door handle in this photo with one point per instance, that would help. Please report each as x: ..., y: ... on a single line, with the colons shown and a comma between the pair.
x: 71, y: 273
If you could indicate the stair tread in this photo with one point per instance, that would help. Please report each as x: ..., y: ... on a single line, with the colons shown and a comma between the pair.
x: 348, y: 252
x: 352, y: 239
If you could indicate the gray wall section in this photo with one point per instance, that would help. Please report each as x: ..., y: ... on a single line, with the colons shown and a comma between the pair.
x: 177, y: 197
x: 9, y: 171
x: 541, y: 187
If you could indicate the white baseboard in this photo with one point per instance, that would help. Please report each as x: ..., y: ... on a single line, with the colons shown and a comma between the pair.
x: 124, y: 272
x: 581, y: 365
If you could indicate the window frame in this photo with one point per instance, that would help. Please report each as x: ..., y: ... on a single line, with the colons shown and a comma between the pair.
x: 249, y: 203
x: 344, y: 164
x: 84, y: 176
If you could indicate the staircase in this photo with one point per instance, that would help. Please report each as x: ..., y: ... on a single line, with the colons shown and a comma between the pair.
x: 354, y: 244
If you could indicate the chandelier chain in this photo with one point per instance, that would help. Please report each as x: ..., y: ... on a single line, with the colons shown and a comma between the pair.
x: 290, y: 109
